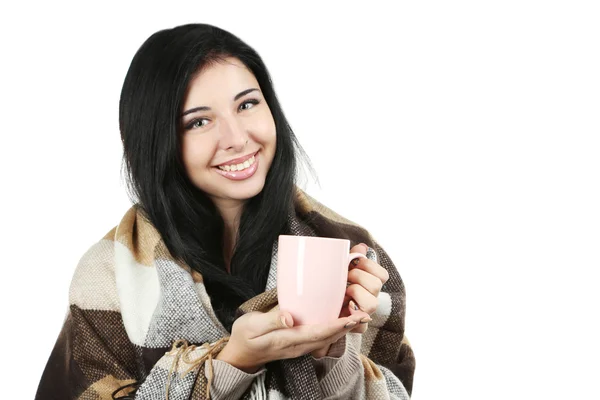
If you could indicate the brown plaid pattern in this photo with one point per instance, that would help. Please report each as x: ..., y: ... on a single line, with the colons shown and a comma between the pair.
x: 130, y: 301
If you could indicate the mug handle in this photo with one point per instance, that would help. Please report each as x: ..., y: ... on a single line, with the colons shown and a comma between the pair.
x: 352, y: 256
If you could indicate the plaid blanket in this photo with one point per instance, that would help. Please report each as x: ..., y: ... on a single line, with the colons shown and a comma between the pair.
x: 140, y: 325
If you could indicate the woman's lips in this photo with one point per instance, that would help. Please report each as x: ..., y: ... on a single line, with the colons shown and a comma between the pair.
x: 240, y: 175
x: 238, y: 160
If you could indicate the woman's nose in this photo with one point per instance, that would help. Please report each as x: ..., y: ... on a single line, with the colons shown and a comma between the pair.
x: 233, y: 135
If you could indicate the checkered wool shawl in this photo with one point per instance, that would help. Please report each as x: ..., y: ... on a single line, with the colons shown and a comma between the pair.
x: 138, y: 317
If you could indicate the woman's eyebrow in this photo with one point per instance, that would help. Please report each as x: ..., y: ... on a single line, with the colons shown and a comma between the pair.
x: 204, y: 108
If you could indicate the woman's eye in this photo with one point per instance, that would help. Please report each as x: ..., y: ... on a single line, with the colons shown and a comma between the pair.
x: 252, y: 101
x: 197, y: 123
x: 194, y: 123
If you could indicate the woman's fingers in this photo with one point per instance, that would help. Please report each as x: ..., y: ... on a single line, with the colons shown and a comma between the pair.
x: 364, y: 300
x: 321, y: 346
x: 372, y: 268
x: 360, y: 328
x: 370, y: 282
x: 360, y: 248
x: 306, y: 338
x: 321, y: 352
x: 260, y: 324
x: 365, y: 318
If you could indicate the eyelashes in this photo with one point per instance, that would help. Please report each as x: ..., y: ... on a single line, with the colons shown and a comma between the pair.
x: 192, y: 123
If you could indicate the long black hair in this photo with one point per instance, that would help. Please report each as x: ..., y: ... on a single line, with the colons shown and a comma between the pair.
x: 188, y: 221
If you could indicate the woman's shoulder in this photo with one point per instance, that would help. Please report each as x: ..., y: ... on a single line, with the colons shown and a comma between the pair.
x: 93, y: 285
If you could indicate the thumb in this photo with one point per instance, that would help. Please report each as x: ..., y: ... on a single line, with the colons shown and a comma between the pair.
x: 264, y: 323
x: 285, y: 320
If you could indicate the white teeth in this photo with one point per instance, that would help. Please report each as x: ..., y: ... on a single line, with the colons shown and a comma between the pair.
x: 238, y: 167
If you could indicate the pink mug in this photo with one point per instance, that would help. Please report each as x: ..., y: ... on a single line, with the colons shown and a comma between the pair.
x: 312, y: 273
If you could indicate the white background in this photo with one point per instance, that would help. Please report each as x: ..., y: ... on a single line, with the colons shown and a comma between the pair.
x: 463, y: 135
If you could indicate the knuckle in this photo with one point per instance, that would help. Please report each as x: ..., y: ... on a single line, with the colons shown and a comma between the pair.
x: 378, y: 287
x: 386, y: 275
x: 374, y: 286
x: 371, y: 308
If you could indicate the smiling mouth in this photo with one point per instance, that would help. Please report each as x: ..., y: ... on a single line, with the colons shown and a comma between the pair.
x: 240, y: 171
x: 238, y: 167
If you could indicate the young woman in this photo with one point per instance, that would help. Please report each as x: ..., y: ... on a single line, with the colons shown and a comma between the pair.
x: 178, y: 300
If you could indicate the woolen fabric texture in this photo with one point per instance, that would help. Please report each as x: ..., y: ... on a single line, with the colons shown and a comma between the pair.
x: 139, y: 317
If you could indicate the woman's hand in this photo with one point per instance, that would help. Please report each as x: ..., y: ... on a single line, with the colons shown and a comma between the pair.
x: 258, y: 338
x: 365, y: 278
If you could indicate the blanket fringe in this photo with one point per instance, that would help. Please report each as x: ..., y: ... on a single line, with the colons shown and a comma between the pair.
x: 259, y: 391
x: 181, y: 349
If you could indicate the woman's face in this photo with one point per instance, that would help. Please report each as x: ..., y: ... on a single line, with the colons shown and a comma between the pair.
x: 229, y: 135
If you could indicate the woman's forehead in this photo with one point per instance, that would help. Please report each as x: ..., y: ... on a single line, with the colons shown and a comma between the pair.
x: 220, y: 81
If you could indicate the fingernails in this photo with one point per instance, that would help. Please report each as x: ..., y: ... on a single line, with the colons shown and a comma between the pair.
x: 366, y: 320
x: 350, y: 324
x: 354, y: 306
x: 283, y: 322
x: 366, y: 247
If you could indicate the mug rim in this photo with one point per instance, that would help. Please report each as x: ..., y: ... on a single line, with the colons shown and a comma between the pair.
x: 315, y: 237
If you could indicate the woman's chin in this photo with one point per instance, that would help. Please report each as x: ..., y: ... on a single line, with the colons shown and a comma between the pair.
x: 244, y: 191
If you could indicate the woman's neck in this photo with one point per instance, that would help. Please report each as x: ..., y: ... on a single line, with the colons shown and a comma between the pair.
x: 230, y: 212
